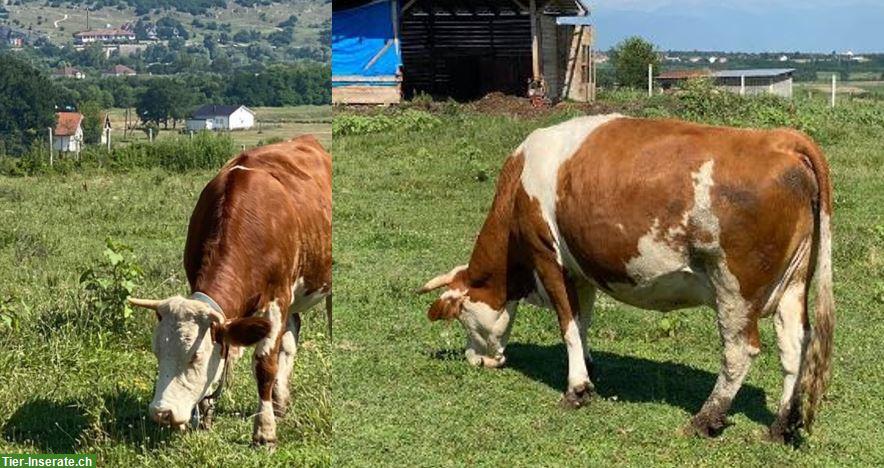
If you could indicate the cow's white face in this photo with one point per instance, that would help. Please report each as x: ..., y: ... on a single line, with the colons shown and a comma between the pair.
x: 488, y: 329
x: 190, y: 361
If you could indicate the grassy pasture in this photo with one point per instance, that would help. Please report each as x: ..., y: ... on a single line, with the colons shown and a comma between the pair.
x: 408, y: 205
x: 68, y: 386
x: 271, y: 122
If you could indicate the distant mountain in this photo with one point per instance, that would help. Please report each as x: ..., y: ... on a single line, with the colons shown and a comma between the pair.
x: 774, y: 25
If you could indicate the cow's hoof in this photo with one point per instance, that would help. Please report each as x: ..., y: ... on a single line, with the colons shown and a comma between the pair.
x: 578, y: 396
x: 264, y: 442
x: 707, y: 425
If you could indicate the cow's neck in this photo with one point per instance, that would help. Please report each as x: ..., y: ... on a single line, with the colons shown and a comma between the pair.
x: 493, y: 269
x: 220, y: 280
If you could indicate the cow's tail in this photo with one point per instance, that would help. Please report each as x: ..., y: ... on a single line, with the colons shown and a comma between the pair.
x: 328, y: 315
x: 817, y: 366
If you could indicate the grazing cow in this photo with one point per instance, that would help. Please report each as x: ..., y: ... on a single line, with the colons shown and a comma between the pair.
x: 661, y: 215
x: 258, y: 253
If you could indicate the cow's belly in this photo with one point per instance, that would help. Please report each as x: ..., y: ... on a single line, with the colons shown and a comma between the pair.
x: 669, y: 291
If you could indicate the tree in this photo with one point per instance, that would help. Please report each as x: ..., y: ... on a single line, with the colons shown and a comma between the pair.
x: 92, y: 124
x: 27, y: 99
x: 630, y: 59
x: 164, y: 99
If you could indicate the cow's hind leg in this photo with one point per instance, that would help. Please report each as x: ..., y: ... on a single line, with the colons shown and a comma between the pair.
x: 287, y: 349
x: 736, y: 325
x: 790, y: 323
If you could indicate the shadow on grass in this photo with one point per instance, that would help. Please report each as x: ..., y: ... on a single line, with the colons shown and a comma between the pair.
x: 65, y: 426
x: 635, y: 379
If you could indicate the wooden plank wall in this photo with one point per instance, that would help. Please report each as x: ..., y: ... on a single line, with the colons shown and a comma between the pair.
x: 447, y: 51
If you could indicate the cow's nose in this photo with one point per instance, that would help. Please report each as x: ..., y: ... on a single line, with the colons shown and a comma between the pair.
x: 162, y: 417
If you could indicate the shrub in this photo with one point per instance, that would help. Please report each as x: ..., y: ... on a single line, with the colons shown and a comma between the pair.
x: 107, y: 286
x: 408, y: 120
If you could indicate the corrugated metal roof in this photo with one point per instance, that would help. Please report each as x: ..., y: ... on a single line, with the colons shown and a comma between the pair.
x: 213, y: 110
x: 682, y: 74
x: 752, y: 72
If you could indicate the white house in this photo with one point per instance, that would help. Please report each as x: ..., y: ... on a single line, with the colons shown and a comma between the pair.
x: 67, y: 136
x: 218, y: 117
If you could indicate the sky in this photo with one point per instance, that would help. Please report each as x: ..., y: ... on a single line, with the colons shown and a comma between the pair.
x: 746, y: 25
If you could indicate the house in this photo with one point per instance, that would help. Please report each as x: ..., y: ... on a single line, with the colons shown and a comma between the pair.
x: 119, y: 70
x: 112, y: 35
x: 777, y: 81
x: 386, y: 50
x: 67, y: 136
x: 219, y: 117
x: 68, y: 72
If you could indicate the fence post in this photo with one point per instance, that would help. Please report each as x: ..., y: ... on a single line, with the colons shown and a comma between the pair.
x: 50, y: 146
x: 150, y: 135
x: 834, y: 86
x: 742, y: 85
x: 650, y: 80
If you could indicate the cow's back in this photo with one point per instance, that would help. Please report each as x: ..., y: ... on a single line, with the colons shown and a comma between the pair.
x: 268, y: 211
x: 640, y: 200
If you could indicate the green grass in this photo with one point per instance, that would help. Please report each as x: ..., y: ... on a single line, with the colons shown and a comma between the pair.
x: 408, y: 205
x: 66, y: 387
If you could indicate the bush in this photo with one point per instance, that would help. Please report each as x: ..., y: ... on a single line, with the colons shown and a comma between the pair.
x: 107, y: 286
x: 408, y: 120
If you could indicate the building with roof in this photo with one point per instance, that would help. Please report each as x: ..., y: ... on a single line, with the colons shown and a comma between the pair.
x: 119, y: 70
x: 112, y: 35
x: 67, y: 136
x: 385, y: 50
x: 68, y: 72
x: 776, y: 81
x: 220, y: 117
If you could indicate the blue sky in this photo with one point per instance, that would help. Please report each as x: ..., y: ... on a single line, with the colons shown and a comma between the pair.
x: 747, y: 25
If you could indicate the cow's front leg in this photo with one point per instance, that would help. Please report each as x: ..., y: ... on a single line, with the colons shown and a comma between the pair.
x: 564, y: 298
x: 266, y: 368
x: 287, y: 349
x: 586, y: 294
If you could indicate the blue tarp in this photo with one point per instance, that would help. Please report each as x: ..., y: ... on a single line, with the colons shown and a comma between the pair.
x: 363, y: 42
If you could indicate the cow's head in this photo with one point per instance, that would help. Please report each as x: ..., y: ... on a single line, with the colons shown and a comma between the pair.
x: 488, y: 328
x: 188, y: 341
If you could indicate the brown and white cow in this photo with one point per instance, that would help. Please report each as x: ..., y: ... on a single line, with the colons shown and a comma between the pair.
x: 662, y: 215
x: 258, y: 253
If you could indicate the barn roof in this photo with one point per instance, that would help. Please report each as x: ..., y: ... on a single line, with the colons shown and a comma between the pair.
x: 213, y: 110
x: 753, y: 72
x: 68, y: 123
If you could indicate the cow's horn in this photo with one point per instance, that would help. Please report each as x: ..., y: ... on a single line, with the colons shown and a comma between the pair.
x: 146, y: 303
x: 217, y: 317
x: 441, y: 280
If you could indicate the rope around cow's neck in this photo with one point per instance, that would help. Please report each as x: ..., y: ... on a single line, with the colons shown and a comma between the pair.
x: 195, y: 416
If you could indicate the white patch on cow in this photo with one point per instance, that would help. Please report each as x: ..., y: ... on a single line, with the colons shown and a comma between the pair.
x: 702, y: 216
x: 189, y: 362
x: 272, y: 313
x: 577, y: 373
x: 301, y: 301
x: 265, y: 423
x: 241, y: 167
x: 287, y: 351
x: 488, y: 330
x: 545, y: 150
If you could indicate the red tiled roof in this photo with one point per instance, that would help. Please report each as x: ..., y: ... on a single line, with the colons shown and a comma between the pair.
x: 68, y: 122
x: 120, y: 70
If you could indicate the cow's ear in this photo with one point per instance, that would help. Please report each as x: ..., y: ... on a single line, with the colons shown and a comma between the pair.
x: 445, y: 308
x: 245, y: 331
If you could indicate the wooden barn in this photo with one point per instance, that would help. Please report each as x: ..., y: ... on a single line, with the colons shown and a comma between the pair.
x: 464, y: 49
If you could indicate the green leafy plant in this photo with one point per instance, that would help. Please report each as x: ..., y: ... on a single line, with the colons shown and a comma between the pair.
x: 107, y: 285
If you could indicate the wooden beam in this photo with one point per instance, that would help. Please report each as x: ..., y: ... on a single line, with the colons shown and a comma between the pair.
x: 535, y: 42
